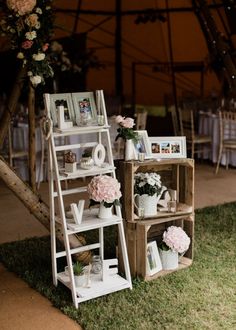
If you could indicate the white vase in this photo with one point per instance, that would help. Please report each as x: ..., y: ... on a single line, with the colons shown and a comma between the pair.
x: 169, y: 259
x: 105, y: 212
x: 129, y: 150
x: 80, y: 280
x: 147, y: 203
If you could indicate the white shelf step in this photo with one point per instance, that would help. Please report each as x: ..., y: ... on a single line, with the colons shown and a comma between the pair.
x: 97, y: 286
x: 91, y: 221
x: 80, y: 173
x: 75, y: 130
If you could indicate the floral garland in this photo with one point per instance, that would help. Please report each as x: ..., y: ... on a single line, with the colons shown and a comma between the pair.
x: 28, y: 24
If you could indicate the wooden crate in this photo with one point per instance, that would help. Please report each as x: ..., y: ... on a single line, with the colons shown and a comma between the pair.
x: 177, y: 174
x: 140, y: 233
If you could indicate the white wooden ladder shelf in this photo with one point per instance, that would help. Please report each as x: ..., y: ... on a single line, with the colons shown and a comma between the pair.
x: 77, y: 138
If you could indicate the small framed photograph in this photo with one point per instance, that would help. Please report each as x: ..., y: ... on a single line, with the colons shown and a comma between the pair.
x: 85, y: 108
x: 142, y: 145
x: 153, y: 259
x: 65, y: 100
x: 168, y: 147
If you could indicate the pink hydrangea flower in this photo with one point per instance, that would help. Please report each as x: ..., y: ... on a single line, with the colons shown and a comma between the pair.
x: 22, y: 7
x: 104, y: 188
x: 176, y: 239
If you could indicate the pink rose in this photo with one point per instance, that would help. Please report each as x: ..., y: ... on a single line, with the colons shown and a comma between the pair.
x: 22, y: 7
x: 119, y: 119
x: 27, y: 44
x: 45, y: 47
x: 128, y: 122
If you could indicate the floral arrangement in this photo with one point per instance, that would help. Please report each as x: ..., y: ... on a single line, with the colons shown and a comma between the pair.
x: 147, y: 183
x: 104, y: 189
x: 175, y: 239
x: 28, y: 24
x: 125, y: 131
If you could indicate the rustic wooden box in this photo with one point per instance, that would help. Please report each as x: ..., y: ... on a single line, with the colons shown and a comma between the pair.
x: 176, y: 174
x: 140, y: 233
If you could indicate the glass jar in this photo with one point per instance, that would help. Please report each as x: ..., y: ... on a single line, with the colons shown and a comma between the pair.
x: 96, y: 264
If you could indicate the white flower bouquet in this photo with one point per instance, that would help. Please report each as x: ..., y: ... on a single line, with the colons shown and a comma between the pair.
x: 147, y: 183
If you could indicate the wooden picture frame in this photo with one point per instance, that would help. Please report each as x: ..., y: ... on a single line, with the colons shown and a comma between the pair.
x: 143, y: 145
x: 66, y: 101
x: 168, y: 147
x: 85, y: 108
x: 154, y: 264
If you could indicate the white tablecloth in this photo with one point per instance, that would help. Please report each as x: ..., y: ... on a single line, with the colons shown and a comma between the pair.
x: 210, y: 125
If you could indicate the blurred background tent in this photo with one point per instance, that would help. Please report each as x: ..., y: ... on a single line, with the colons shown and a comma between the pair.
x: 151, y: 53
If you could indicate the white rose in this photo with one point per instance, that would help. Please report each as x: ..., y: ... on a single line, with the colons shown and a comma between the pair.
x: 36, y: 80
x: 31, y: 35
x: 39, y: 10
x: 39, y: 57
x: 20, y: 55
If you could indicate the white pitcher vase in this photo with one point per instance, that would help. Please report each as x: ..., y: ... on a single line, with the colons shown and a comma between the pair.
x: 147, y: 203
x: 129, y: 150
x: 104, y: 212
x: 169, y: 259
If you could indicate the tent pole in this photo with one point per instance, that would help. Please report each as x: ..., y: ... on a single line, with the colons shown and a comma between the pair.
x: 118, y: 53
x: 171, y: 57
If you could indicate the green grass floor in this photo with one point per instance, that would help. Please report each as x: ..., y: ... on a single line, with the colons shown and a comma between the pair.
x: 202, y: 296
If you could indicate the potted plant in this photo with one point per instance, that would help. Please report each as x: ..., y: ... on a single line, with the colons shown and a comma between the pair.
x: 86, y: 161
x: 175, y: 242
x: 78, y: 270
x: 105, y: 190
x: 148, y: 190
x: 70, y: 161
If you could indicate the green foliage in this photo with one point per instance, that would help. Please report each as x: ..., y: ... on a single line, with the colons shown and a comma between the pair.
x: 199, y: 297
x: 127, y: 134
x: 78, y: 268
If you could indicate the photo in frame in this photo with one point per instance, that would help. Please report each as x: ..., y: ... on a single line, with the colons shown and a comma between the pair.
x: 142, y: 145
x: 85, y: 108
x: 154, y: 264
x: 65, y: 100
x: 168, y: 147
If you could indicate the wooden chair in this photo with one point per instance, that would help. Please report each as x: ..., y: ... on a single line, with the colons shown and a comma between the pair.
x: 227, y: 130
x: 141, y: 120
x: 19, y: 152
x: 195, y: 142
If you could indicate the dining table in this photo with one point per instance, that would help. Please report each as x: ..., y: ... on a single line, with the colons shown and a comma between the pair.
x: 209, y: 124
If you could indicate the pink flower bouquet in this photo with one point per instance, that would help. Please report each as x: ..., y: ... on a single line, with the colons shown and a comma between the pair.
x: 175, y: 239
x: 125, y: 131
x: 104, y: 189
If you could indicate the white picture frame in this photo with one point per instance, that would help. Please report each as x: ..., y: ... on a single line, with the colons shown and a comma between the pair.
x: 153, y: 261
x: 143, y: 145
x: 85, y: 108
x: 168, y: 147
x: 66, y: 101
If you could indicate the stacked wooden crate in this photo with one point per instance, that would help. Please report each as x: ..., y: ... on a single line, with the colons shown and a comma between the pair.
x: 176, y: 174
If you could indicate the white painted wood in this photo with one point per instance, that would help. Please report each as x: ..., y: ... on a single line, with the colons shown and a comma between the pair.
x: 84, y: 220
